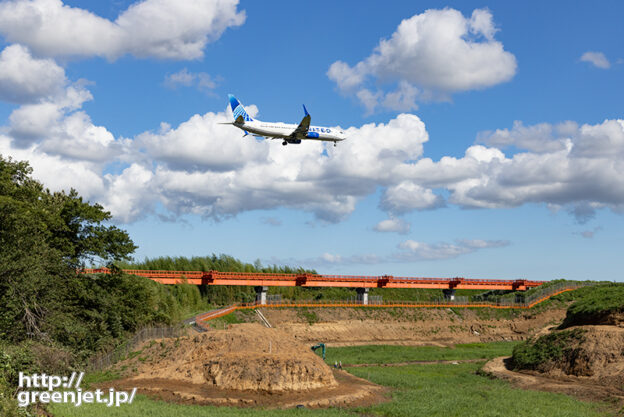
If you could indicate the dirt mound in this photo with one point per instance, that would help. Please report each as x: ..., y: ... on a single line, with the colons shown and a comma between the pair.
x: 247, y: 357
x: 598, y: 353
x: 589, y: 365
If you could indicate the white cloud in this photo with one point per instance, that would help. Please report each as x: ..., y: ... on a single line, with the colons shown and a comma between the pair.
x: 166, y: 29
x: 271, y: 221
x: 24, y: 79
x: 205, y: 168
x: 56, y: 127
x: 394, y: 225
x: 537, y: 138
x: 438, y: 51
x: 597, y: 59
x: 409, y: 251
x: 419, y: 251
x: 183, y: 78
x: 408, y: 196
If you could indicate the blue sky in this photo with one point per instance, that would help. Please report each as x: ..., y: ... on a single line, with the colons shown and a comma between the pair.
x: 486, y: 140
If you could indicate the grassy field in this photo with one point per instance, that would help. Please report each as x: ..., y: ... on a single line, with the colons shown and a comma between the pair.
x: 428, y: 390
x: 373, y: 354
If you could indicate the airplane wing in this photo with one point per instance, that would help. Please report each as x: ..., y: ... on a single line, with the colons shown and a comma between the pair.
x: 303, y: 127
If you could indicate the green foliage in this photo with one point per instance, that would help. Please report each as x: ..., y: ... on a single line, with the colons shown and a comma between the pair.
x: 308, y: 315
x: 223, y: 263
x: 417, y: 294
x: 541, y: 353
x: 44, y: 236
x: 219, y: 295
x: 595, y: 305
x: 241, y: 316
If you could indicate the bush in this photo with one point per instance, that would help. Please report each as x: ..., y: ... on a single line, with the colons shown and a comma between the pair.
x: 542, y: 353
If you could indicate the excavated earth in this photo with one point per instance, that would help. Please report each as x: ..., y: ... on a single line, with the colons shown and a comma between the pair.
x: 438, y: 327
x: 246, y: 365
x: 251, y: 365
x: 592, y: 369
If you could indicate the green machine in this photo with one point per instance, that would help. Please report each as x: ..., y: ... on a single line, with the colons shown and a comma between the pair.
x: 319, y: 346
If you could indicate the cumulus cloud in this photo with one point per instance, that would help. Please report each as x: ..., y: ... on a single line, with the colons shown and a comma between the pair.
x: 183, y: 78
x: 57, y: 127
x: 408, y: 196
x: 597, y: 59
x: 24, y: 79
x: 538, y: 138
x: 166, y: 29
x: 394, y: 225
x: 271, y: 221
x: 430, y: 55
x: 409, y: 251
x: 205, y: 168
x: 419, y: 251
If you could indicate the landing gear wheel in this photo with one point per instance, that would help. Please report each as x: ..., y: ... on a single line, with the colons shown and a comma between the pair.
x: 334, y: 144
x: 284, y: 143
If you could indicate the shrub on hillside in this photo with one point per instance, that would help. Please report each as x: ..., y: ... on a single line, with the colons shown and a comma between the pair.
x: 542, y: 353
x: 599, y: 304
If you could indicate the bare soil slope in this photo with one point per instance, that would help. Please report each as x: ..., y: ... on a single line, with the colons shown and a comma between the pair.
x: 246, y: 357
x: 592, y: 366
x: 599, y: 355
x: 245, y: 365
x: 341, y: 326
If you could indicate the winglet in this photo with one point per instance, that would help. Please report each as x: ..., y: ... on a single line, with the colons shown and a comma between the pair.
x: 305, y: 110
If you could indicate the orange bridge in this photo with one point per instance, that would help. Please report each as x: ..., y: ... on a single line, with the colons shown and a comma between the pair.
x: 258, y: 279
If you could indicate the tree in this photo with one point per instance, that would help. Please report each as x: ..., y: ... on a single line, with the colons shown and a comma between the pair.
x: 44, y: 237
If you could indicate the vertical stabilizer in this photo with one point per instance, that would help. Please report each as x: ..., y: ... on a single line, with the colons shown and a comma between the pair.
x: 238, y: 109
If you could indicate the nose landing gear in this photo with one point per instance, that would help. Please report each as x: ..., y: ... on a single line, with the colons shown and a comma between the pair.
x: 284, y: 143
x: 334, y: 144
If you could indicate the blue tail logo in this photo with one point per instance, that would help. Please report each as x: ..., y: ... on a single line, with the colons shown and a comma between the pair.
x: 238, y: 109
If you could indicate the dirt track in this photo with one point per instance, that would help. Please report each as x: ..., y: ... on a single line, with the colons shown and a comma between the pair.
x: 350, y: 391
x: 585, y: 388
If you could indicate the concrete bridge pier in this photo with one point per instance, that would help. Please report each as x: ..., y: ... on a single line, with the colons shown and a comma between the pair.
x: 449, y: 294
x: 363, y: 295
x: 261, y: 294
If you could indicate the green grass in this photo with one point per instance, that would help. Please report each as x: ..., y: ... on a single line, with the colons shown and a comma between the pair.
x: 458, y: 390
x: 240, y: 316
x: 417, y: 390
x: 99, y: 376
x: 143, y: 406
x: 595, y: 304
x: 395, y: 354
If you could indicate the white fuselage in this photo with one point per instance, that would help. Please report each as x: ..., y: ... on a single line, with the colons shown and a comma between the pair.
x: 284, y: 131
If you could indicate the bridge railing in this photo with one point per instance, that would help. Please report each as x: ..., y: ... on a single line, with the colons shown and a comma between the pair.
x: 256, y: 278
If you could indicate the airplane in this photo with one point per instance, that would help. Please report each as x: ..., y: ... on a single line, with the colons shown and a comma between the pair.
x: 289, y: 133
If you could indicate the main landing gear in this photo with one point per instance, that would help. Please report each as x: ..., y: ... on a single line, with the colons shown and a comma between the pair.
x: 284, y: 143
